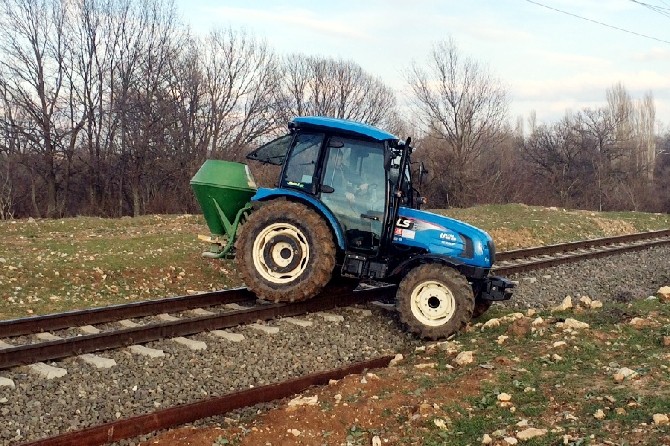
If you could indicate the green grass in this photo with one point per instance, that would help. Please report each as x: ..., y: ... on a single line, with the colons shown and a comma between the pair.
x: 518, y: 225
x: 58, y: 265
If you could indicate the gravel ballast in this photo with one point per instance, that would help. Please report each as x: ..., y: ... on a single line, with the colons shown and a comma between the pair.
x: 37, y: 408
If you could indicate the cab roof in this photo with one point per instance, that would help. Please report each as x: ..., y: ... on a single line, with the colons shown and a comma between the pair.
x: 342, y: 125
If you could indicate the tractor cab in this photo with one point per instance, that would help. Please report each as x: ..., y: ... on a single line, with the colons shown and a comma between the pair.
x: 343, y: 169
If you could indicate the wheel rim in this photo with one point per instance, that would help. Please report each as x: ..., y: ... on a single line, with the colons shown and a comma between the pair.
x: 433, y: 303
x: 281, y: 253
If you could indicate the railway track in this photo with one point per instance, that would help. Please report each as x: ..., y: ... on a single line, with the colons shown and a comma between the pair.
x: 18, y: 348
x: 20, y: 330
x: 56, y: 347
x: 530, y: 259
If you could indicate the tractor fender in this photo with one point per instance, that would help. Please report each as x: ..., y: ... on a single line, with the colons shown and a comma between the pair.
x: 266, y: 194
x: 405, y: 266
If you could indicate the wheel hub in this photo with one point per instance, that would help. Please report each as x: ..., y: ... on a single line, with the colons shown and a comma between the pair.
x: 281, y: 253
x: 433, y: 303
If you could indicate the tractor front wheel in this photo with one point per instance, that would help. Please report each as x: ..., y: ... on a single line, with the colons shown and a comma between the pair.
x: 434, y: 301
x: 285, y: 252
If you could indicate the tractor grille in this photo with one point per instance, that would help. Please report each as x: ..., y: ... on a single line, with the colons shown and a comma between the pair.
x: 468, y: 248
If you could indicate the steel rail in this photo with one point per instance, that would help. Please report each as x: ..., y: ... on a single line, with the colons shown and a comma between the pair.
x: 98, y: 315
x: 563, y: 257
x: 66, y: 347
x: 582, y: 244
x: 187, y: 413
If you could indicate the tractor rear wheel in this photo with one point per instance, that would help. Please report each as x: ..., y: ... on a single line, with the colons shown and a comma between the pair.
x: 434, y: 301
x: 285, y: 252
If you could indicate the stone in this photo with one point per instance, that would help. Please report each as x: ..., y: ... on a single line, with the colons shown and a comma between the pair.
x: 585, y: 301
x: 559, y: 344
x: 330, y: 317
x: 510, y: 440
x: 47, y: 337
x: 304, y: 401
x: 486, y: 439
x: 127, y: 323
x: 529, y: 433
x: 295, y: 321
x: 537, y: 321
x: 6, y: 382
x: 146, y: 351
x: 426, y: 365
x: 4, y: 345
x: 232, y: 337
x: 167, y: 317
x: 639, y: 322
x: 98, y: 361
x: 565, y: 305
x: 491, y: 323
x: 664, y: 293
x: 666, y: 341
x: 396, y: 360
x: 574, y: 324
x: 599, y: 414
x: 376, y: 441
x: 190, y: 343
x: 267, y: 329
x: 201, y: 312
x: 529, y: 279
x: 47, y: 371
x: 661, y: 419
x: 512, y: 317
x: 504, y: 397
x: 596, y: 304
x: 464, y: 358
x: 501, y: 339
x: 623, y: 373
x: 294, y: 432
x: 440, y: 423
x: 89, y: 329
x: 235, y: 307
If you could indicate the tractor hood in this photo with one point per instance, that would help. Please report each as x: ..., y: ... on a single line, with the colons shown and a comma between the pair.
x: 442, y: 235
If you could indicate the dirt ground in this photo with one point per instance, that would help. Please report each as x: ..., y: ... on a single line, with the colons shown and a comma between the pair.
x: 383, y: 403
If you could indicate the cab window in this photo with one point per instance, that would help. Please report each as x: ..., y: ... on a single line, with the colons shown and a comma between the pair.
x: 273, y: 152
x: 300, y: 169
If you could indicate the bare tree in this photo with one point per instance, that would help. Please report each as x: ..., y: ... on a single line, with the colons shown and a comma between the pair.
x: 330, y: 87
x: 462, y: 105
x: 32, y: 72
x: 240, y: 74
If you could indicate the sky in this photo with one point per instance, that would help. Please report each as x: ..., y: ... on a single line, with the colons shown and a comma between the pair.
x: 551, y: 62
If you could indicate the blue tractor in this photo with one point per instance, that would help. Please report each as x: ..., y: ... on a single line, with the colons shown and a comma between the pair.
x: 345, y: 205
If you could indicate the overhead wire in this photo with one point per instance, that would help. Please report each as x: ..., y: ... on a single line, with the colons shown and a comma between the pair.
x: 656, y: 8
x: 597, y: 22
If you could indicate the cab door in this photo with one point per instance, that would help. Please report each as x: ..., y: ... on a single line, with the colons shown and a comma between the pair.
x: 354, y: 188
